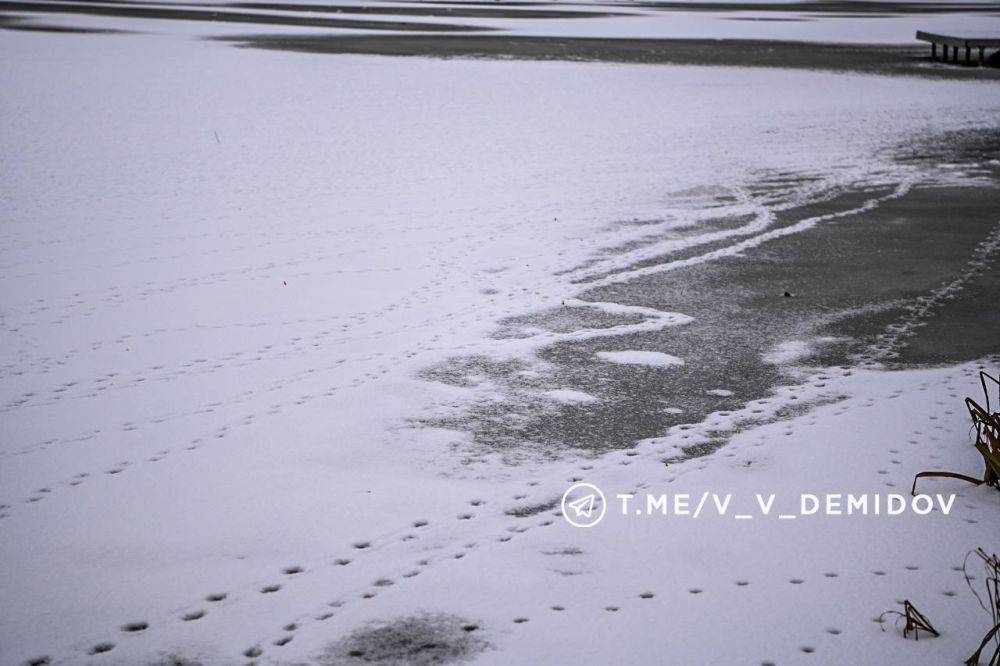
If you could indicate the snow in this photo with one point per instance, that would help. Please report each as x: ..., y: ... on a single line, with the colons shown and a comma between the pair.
x: 797, y: 23
x: 774, y: 586
x: 722, y: 393
x: 632, y: 357
x: 569, y: 396
x: 792, y: 351
x: 225, y: 269
x: 795, y: 26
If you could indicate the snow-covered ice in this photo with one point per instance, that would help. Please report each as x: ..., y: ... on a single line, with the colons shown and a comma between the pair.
x: 635, y: 357
x: 570, y: 396
x: 225, y: 270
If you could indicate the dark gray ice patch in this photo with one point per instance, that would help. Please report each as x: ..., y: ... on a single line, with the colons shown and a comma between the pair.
x: 416, y: 640
x: 959, y: 147
x: 850, y: 278
x: 470, y: 371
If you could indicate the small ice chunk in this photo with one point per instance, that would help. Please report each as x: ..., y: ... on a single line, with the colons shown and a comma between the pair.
x: 673, y: 410
x: 725, y: 393
x: 791, y: 351
x: 569, y: 396
x: 653, y: 359
x: 788, y: 352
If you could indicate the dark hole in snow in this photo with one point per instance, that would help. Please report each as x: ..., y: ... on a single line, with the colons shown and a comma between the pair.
x: 417, y: 639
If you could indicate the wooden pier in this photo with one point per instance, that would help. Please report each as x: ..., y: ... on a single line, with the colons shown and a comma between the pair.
x: 958, y: 43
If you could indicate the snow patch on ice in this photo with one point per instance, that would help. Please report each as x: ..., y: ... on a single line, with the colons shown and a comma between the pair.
x: 788, y: 352
x: 791, y: 351
x: 632, y: 357
x: 569, y: 396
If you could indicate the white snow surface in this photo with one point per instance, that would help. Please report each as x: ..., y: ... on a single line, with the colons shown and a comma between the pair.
x: 636, y: 357
x: 223, y: 269
x: 570, y: 396
x: 791, y: 351
x: 799, y: 22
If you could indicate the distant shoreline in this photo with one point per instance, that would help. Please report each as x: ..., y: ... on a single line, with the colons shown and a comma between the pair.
x: 872, y: 59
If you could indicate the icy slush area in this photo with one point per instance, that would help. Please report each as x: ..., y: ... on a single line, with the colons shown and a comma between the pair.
x: 223, y: 269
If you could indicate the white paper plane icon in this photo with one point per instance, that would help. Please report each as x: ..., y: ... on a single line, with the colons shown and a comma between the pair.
x: 588, y: 509
x: 583, y: 506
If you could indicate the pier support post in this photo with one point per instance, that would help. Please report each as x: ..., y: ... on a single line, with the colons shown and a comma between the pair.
x: 934, y: 51
x: 968, y: 56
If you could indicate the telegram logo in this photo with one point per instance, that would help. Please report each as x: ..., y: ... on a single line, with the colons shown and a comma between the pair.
x: 583, y: 505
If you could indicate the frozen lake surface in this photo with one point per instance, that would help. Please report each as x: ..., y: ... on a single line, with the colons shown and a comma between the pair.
x: 241, y: 286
